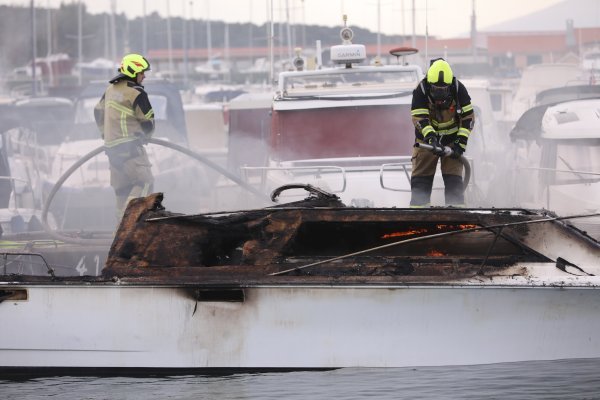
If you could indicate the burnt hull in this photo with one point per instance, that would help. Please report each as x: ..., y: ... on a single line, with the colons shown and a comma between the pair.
x: 296, y: 327
x: 310, y: 287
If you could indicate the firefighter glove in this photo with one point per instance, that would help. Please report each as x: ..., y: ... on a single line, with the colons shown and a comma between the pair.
x: 432, y: 140
x: 438, y: 148
x: 457, y: 151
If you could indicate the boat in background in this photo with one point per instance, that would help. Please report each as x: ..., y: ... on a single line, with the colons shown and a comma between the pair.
x: 488, y: 142
x: 32, y: 132
x: 591, y: 64
x: 30, y: 128
x: 539, y: 77
x: 558, y: 154
x: 86, y: 200
x: 341, y: 129
x: 344, y: 129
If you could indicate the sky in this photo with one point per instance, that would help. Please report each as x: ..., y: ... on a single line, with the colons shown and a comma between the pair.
x: 443, y: 18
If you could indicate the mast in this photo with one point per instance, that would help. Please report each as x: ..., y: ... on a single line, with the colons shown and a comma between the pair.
x: 414, y: 37
x: 144, y: 30
x: 379, y: 29
x: 208, y: 36
x: 79, y: 42
x: 49, y: 29
x: 192, y: 44
x: 403, y: 21
x: 426, y: 32
x: 288, y: 30
x: 185, y: 44
x: 169, y: 39
x: 271, y: 50
x: 280, y: 33
x: 474, y: 34
x: 113, y: 30
x: 251, y: 36
x: 303, y: 25
x: 49, y: 44
x: 33, y: 50
x: 227, y: 74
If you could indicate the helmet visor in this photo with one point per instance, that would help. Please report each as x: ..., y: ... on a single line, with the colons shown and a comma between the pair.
x: 148, y: 68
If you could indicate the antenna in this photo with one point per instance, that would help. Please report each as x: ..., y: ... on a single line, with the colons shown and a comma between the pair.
x: 270, y: 38
x: 403, y: 52
x: 426, y: 30
x: 346, y: 33
x: 347, y: 53
x: 319, y: 55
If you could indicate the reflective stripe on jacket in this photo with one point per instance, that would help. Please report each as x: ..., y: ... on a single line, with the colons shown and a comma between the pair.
x: 124, y: 113
x: 453, y: 124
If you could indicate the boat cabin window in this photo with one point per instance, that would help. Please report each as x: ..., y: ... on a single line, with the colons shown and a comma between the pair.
x: 592, y: 57
x: 591, y: 60
x: 576, y: 162
x: 496, y: 100
x: 337, y: 82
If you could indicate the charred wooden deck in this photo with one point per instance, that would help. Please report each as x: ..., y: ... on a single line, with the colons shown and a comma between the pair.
x: 247, y: 247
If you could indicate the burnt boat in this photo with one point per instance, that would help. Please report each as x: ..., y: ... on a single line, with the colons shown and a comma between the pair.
x: 313, y: 284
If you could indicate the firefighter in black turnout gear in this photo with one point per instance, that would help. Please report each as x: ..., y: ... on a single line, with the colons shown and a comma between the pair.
x: 125, y: 118
x: 443, y: 116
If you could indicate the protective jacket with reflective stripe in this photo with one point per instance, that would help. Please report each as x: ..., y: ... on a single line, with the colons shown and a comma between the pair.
x: 452, y: 125
x: 124, y: 113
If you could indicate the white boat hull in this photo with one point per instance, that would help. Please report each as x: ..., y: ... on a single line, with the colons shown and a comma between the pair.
x: 111, y: 326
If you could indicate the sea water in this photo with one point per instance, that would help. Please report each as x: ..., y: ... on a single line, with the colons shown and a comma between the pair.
x: 563, y: 379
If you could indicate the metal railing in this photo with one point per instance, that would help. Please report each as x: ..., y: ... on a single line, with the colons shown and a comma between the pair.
x: 402, y: 166
x: 22, y: 261
x: 319, y: 170
x: 12, y: 181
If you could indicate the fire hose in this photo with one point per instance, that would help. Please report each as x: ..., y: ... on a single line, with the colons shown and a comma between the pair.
x: 446, y: 151
x: 98, y: 150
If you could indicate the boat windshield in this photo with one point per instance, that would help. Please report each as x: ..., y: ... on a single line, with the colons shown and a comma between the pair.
x: 577, y: 161
x: 349, y: 81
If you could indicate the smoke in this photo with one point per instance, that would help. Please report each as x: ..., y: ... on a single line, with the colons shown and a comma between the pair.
x: 548, y: 160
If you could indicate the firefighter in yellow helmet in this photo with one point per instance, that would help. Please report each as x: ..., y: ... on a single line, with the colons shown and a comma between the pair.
x: 125, y: 118
x: 442, y: 114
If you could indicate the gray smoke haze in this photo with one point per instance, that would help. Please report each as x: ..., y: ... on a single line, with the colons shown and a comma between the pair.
x: 532, y: 172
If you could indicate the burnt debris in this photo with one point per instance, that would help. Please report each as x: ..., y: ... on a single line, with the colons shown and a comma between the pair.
x: 247, y: 246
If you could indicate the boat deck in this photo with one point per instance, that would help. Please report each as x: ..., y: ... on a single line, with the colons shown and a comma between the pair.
x: 324, y: 244
x: 320, y: 242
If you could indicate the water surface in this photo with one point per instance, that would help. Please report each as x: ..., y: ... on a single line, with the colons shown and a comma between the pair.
x: 564, y: 379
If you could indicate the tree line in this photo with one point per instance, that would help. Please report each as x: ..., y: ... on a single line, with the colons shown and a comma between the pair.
x: 57, y: 32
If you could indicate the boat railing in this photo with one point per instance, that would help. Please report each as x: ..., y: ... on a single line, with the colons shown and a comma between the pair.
x: 25, y: 147
x: 317, y: 170
x: 568, y: 171
x: 12, y: 180
x: 24, y: 263
x: 395, y: 167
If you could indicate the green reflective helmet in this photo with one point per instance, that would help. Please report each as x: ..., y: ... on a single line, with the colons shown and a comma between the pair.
x: 440, y: 73
x: 439, y: 78
x: 133, y: 64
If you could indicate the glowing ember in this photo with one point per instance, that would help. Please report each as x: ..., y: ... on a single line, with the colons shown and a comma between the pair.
x: 455, y: 227
x: 435, y: 253
x: 405, y: 233
x: 439, y: 227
